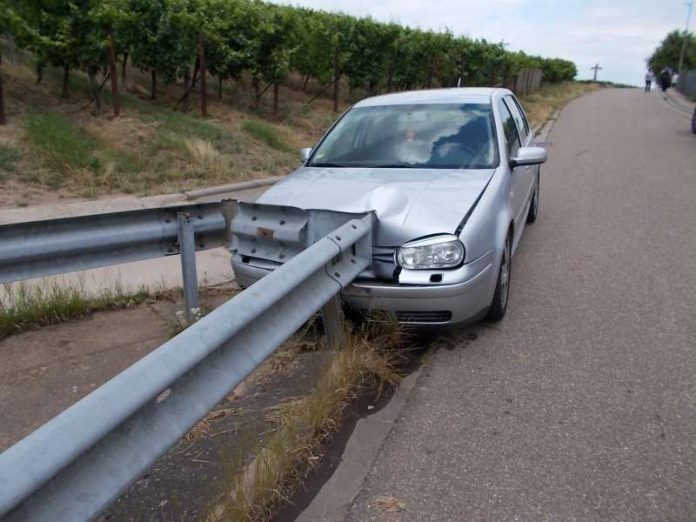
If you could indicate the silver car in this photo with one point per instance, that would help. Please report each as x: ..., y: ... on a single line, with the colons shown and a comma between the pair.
x: 453, y: 178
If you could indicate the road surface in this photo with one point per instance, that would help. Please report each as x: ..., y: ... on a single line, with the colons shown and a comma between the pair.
x: 581, y: 404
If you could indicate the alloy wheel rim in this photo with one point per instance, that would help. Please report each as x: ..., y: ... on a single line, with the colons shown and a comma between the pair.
x: 505, y: 275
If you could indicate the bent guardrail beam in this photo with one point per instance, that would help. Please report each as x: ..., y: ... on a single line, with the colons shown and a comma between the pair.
x: 75, y: 465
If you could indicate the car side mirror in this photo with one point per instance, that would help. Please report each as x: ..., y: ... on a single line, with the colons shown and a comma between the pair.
x: 529, y: 156
x: 305, y: 153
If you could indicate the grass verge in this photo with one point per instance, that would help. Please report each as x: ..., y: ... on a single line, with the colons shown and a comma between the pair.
x: 541, y: 106
x: 23, y: 307
x: 368, y: 359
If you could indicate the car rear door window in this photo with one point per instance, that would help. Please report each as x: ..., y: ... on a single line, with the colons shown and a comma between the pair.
x: 512, y: 137
x: 520, y: 121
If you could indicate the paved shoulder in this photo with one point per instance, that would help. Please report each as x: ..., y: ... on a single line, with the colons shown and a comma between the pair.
x: 580, y: 405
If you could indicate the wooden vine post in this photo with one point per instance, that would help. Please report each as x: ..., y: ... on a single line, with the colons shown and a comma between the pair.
x: 201, y: 61
x: 3, y: 120
x: 276, y: 87
x: 112, y: 72
x: 337, y: 78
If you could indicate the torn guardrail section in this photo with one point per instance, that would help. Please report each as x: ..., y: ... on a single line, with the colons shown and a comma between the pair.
x: 266, y: 236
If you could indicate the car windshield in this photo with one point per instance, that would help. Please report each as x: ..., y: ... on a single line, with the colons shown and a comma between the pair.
x: 435, y: 136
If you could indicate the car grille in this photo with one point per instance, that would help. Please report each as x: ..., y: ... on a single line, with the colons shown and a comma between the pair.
x: 424, y: 317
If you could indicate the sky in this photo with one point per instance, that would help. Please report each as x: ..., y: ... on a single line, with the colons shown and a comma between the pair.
x: 617, y: 34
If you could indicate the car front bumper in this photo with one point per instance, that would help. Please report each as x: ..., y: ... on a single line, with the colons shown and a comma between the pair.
x: 463, y: 296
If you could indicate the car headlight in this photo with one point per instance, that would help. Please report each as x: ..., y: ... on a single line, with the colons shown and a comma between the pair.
x: 445, y: 251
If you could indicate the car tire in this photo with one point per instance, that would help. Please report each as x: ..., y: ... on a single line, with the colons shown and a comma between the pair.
x: 502, y: 287
x: 693, y: 122
x: 534, y: 203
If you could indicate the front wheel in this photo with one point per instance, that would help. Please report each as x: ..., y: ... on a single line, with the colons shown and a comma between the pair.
x: 502, y: 288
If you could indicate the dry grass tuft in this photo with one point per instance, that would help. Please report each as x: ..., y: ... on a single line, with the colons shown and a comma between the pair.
x: 390, y: 504
x: 203, y: 153
x: 369, y: 359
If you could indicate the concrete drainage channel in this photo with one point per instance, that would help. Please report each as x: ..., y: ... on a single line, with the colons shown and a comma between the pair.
x: 328, y: 491
x: 325, y: 493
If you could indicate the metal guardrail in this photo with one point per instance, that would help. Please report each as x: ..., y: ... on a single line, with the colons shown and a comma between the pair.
x: 75, y: 465
x: 55, y: 246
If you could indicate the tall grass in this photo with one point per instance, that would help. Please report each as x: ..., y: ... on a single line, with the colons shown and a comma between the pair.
x: 369, y: 359
x: 23, y: 307
x: 266, y: 134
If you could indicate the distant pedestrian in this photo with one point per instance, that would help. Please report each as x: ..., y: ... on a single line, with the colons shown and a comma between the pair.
x: 648, y: 81
x: 665, y: 79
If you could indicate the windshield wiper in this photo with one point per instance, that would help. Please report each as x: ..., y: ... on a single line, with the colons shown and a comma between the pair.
x: 395, y: 166
x: 329, y: 164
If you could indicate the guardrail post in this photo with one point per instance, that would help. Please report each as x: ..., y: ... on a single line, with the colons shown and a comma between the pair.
x: 332, y: 316
x: 189, y: 276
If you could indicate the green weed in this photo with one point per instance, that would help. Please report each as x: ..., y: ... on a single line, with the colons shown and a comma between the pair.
x: 63, y: 145
x: 266, y: 134
x: 23, y: 307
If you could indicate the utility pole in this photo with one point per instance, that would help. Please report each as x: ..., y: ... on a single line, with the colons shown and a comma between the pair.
x: 686, y: 36
x: 596, y: 68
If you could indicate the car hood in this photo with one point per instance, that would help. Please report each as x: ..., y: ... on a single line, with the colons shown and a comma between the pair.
x: 408, y: 203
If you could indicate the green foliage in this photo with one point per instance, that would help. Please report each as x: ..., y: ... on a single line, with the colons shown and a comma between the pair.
x: 267, y: 40
x: 267, y: 134
x: 668, y: 52
x: 556, y: 70
x: 67, y: 34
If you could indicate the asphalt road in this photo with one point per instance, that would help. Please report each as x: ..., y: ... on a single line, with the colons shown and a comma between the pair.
x: 581, y: 404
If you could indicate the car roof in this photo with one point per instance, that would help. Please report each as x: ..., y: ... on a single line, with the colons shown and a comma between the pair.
x: 452, y: 95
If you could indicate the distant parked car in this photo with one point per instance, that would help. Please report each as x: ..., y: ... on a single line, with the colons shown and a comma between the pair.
x: 453, y: 176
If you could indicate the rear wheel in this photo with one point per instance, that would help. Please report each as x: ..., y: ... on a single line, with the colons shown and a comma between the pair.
x: 502, y: 288
x: 534, y: 204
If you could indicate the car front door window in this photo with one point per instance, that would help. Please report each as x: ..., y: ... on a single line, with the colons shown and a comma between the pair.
x: 520, y: 122
x: 512, y: 138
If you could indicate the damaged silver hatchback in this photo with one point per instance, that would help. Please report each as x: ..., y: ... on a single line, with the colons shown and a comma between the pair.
x: 452, y: 176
